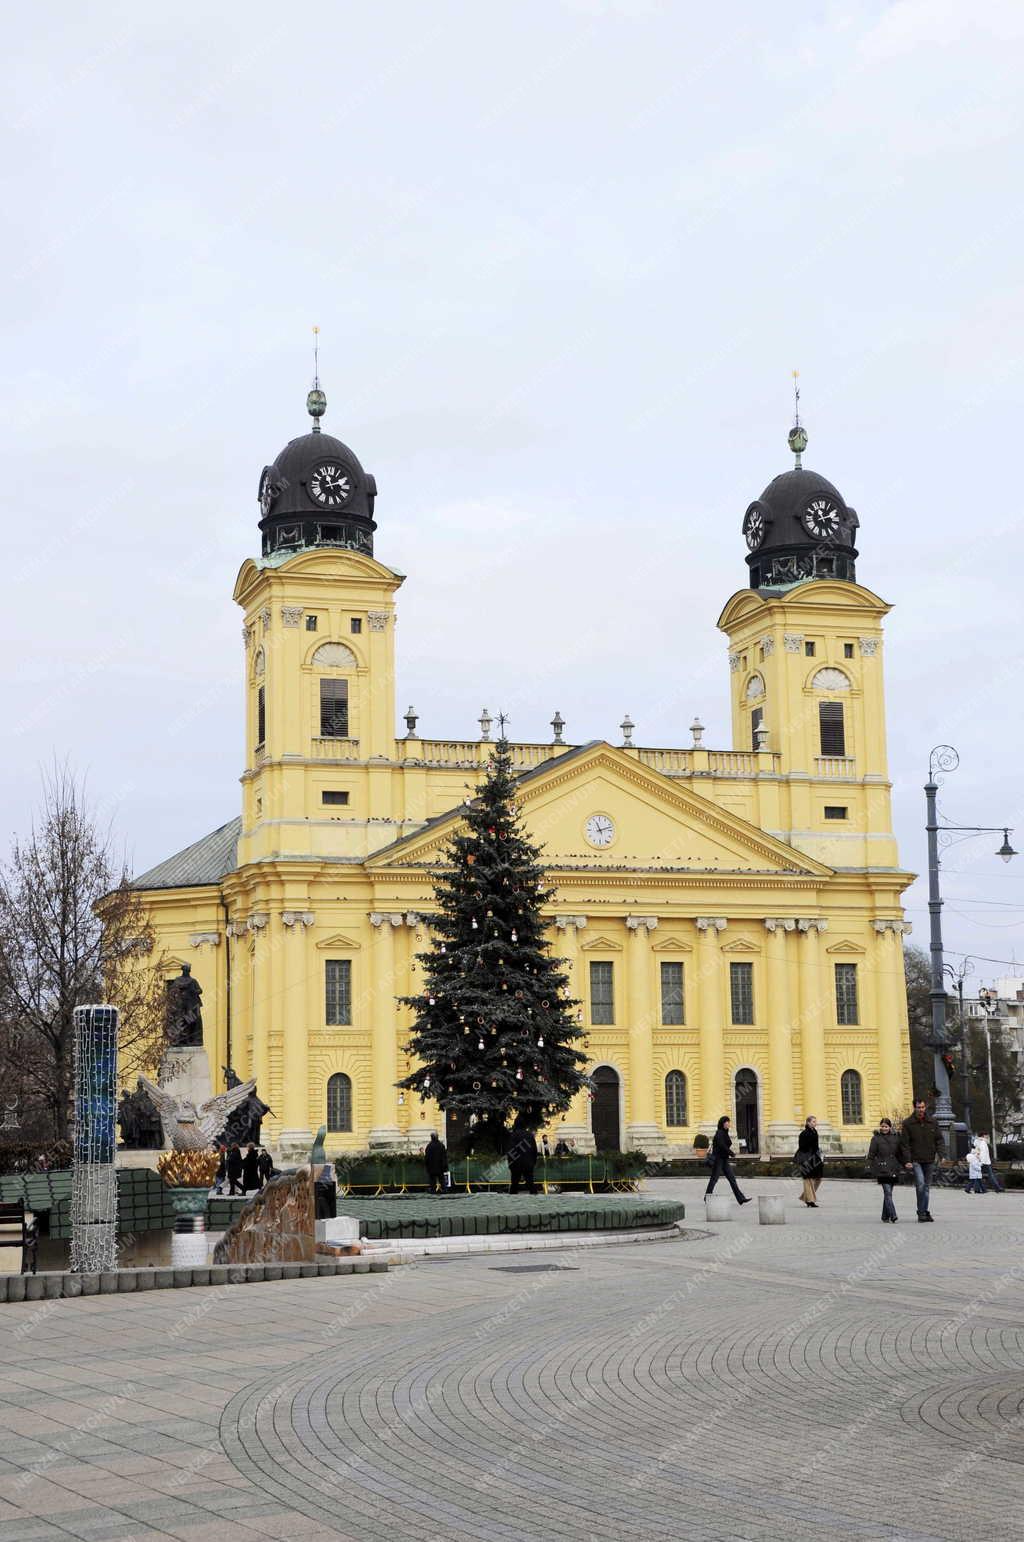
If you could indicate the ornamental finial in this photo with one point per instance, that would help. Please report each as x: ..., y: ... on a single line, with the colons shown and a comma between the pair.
x: 797, y: 434
x: 316, y: 401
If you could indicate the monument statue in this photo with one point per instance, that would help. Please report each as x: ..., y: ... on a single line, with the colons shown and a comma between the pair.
x: 244, y: 1123
x: 184, y: 1016
x: 139, y: 1121
x: 189, y: 1128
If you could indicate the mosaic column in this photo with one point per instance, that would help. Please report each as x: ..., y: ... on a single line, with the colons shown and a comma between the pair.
x: 93, y: 1174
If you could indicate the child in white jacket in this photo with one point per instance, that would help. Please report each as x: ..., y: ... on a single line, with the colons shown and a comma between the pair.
x: 974, y: 1183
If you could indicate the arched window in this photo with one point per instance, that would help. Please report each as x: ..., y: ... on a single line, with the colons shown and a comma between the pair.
x: 755, y: 687
x: 829, y: 679
x: 853, y: 1100
x: 339, y: 1102
x: 675, y: 1098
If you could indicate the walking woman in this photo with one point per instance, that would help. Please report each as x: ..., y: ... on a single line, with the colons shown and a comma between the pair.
x: 887, y: 1156
x: 721, y: 1164
x: 809, y: 1163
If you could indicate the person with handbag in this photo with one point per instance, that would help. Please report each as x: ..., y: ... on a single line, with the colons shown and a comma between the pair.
x: 809, y: 1163
x: 720, y: 1163
x: 887, y: 1156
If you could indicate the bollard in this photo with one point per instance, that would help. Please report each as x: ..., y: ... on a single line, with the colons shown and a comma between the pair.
x: 718, y: 1207
x: 771, y: 1210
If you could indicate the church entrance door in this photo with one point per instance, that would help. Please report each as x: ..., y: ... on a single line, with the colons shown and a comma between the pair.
x: 746, y: 1110
x: 605, y: 1109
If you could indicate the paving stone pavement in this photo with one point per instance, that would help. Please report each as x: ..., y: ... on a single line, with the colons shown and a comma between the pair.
x: 829, y: 1378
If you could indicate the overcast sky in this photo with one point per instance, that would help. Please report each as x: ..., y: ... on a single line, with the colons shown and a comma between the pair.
x: 564, y: 255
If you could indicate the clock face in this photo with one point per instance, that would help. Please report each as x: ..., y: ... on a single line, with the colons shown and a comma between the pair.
x: 821, y: 518
x: 599, y: 830
x: 754, y: 526
x: 330, y: 485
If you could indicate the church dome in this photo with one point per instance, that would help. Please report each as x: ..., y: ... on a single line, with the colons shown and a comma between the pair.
x: 800, y: 528
x: 316, y: 493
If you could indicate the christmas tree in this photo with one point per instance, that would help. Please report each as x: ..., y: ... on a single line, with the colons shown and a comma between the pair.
x: 495, y: 1033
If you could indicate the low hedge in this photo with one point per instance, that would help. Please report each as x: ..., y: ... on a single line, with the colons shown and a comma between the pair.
x: 391, y: 1170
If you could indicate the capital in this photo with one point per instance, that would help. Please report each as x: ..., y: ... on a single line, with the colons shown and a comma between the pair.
x: 564, y: 922
x: 376, y: 620
x: 257, y: 922
x: 709, y: 925
x: 291, y: 615
x: 301, y: 918
x: 204, y: 939
x: 811, y: 924
x: 386, y: 918
x: 779, y: 924
x: 641, y: 926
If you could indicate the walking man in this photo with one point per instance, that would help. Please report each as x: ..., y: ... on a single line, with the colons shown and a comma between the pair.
x: 923, y: 1140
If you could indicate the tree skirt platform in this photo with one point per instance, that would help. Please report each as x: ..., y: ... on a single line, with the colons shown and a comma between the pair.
x: 479, y: 1215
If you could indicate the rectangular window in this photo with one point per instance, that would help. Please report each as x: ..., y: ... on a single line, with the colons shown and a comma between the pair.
x: 602, y: 993
x: 310, y: 623
x: 672, y: 1006
x: 756, y: 718
x: 741, y: 989
x: 333, y: 797
x: 847, y: 650
x: 261, y: 716
x: 846, y: 994
x: 831, y: 728
x: 334, y: 709
x: 339, y: 990
x: 356, y: 624
x: 835, y: 811
x: 809, y: 649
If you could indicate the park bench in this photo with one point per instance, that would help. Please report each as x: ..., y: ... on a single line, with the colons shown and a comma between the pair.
x: 17, y: 1231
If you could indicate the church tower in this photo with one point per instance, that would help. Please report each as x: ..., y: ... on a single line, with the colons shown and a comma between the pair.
x: 319, y: 656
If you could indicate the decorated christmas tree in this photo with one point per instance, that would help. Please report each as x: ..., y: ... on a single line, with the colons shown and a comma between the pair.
x: 495, y: 1033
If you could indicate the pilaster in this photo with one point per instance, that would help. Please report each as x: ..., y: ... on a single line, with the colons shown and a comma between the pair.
x: 783, y: 1127
x: 643, y: 1133
x: 710, y: 1022
x: 384, y: 1130
x: 295, y: 1138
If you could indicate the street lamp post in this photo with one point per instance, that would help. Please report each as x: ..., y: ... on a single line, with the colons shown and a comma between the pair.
x: 958, y: 976
x: 990, y: 1006
x: 945, y: 758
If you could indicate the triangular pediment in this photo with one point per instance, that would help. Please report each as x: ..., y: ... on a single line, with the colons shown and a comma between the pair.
x: 600, y: 945
x: 845, y: 947
x: 671, y: 944
x: 657, y: 824
x: 339, y: 940
x: 740, y: 945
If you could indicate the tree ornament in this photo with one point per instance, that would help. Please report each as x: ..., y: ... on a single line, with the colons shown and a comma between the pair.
x: 514, y: 938
x: 540, y: 1041
x: 474, y: 923
x: 470, y: 859
x: 476, y: 1086
x: 432, y: 1001
x: 466, y: 1029
x: 481, y: 1045
x: 519, y: 1074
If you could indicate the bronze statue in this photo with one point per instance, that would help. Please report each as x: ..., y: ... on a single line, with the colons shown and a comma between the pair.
x: 184, y: 1010
x: 244, y: 1122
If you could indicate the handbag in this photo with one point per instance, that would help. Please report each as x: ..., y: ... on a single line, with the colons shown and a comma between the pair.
x: 709, y: 1159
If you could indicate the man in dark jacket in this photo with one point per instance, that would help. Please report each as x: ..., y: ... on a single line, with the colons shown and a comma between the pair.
x: 264, y: 1166
x: 233, y: 1168
x: 522, y: 1159
x: 923, y: 1140
x: 435, y: 1160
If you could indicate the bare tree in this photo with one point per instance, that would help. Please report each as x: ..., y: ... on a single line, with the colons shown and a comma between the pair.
x: 72, y: 931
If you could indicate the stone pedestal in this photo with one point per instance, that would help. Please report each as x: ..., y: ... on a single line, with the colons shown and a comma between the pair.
x: 782, y: 1139
x: 386, y: 1137
x: 293, y: 1147
x: 340, y: 1230
x: 185, y: 1075
x: 645, y: 1137
x: 719, y: 1207
x: 771, y: 1210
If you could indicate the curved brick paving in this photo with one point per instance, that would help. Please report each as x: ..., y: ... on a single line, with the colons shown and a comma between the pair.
x: 830, y: 1378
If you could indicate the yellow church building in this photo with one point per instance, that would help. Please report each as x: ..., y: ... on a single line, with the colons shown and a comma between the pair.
x: 731, y: 918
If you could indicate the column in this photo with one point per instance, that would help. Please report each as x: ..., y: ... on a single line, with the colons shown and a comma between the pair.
x: 783, y: 1127
x: 814, y: 999
x: 891, y: 1017
x: 262, y: 1004
x: 643, y: 1133
x: 713, y: 1099
x: 417, y: 1129
x: 236, y: 1053
x: 574, y: 1125
x: 384, y: 1129
x: 296, y: 1137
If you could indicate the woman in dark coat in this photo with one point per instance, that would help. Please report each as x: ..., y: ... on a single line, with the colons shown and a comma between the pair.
x: 721, y: 1163
x: 887, y: 1156
x: 809, y: 1163
x: 251, y: 1169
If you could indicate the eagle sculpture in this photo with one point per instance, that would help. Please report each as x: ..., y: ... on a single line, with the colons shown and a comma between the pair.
x: 189, y: 1128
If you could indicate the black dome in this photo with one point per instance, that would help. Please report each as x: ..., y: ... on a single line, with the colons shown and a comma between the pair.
x: 316, y: 493
x: 806, y: 530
